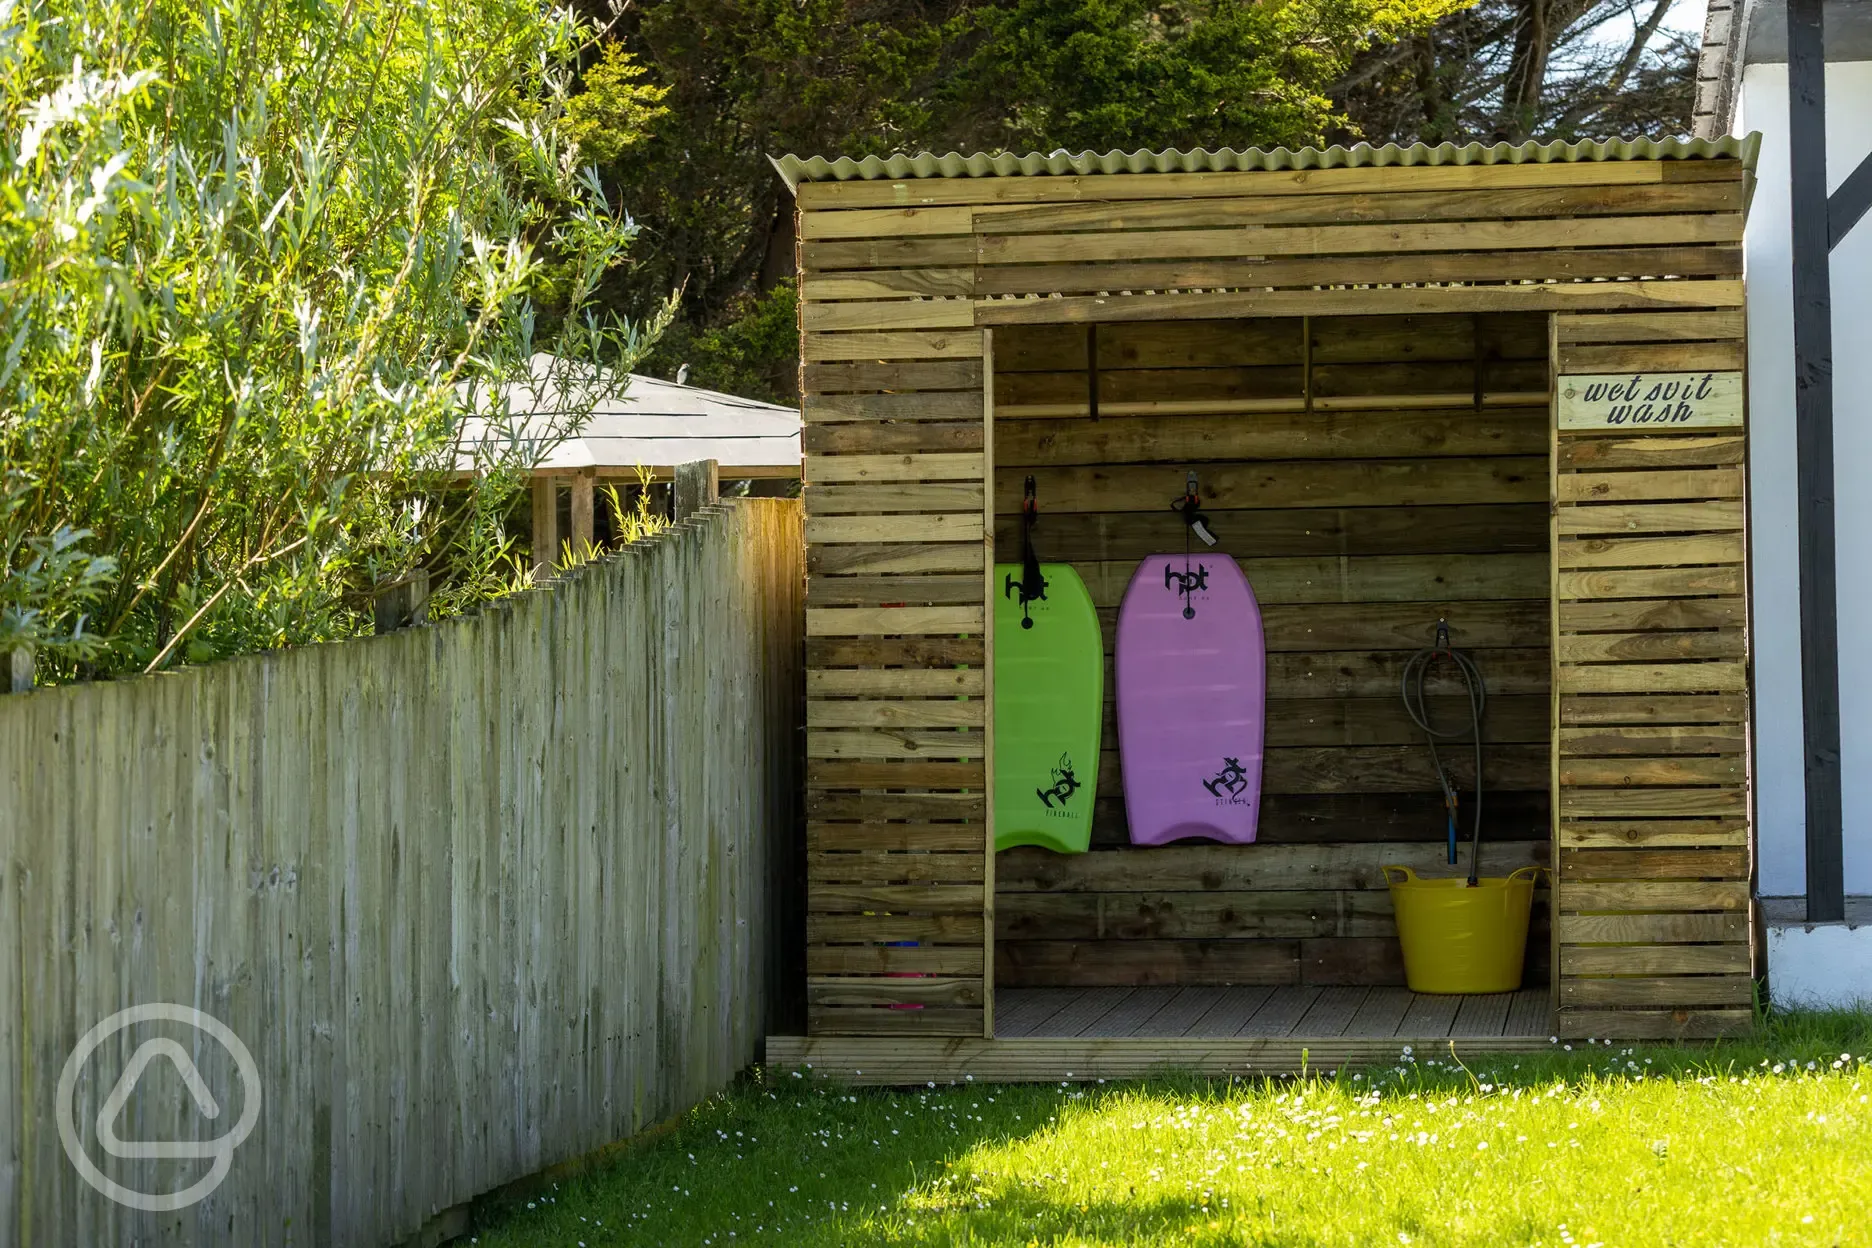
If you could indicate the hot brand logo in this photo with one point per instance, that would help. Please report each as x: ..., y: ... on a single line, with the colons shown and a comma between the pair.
x: 1065, y: 784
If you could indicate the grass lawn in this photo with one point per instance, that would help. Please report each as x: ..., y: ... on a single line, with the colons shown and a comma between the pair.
x: 1768, y: 1142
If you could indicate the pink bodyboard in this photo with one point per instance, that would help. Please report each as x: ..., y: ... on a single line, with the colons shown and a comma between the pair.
x: 1192, y: 700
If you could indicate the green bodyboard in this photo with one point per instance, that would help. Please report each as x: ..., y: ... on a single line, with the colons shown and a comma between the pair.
x: 1049, y: 705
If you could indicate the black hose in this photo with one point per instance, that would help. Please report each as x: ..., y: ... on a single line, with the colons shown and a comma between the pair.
x: 1416, y: 670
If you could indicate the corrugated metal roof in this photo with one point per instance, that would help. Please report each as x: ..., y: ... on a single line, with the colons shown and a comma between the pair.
x: 798, y: 169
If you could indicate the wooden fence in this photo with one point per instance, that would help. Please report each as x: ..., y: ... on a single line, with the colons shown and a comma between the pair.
x: 479, y: 898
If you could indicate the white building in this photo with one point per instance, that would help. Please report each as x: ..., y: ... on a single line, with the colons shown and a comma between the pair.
x: 1744, y: 86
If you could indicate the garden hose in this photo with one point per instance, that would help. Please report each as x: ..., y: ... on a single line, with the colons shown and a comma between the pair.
x: 1416, y: 671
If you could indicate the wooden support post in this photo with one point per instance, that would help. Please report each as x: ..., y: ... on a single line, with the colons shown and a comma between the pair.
x: 582, y: 489
x: 1813, y: 443
x: 697, y: 485
x: 545, y: 525
x: 402, y: 604
x: 22, y: 664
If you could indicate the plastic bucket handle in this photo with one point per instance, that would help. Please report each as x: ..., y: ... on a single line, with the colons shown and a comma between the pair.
x: 1530, y: 872
x: 1410, y: 876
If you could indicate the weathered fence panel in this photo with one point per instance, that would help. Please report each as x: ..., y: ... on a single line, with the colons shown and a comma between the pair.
x: 478, y: 898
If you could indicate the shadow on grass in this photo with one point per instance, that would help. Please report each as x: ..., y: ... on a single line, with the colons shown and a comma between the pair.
x: 781, y: 1159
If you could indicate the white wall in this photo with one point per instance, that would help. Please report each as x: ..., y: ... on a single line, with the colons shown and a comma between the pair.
x: 1779, y: 792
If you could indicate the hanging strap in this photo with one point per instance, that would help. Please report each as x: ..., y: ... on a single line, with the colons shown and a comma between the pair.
x: 1195, y: 522
x: 1032, y: 586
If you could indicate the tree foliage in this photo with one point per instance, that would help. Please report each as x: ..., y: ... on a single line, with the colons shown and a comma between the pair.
x: 746, y: 79
x: 257, y: 265
x: 1520, y: 69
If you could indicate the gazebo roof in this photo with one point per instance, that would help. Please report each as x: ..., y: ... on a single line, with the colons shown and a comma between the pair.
x: 658, y: 424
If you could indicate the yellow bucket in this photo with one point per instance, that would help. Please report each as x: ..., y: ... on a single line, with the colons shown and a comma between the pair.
x: 1462, y: 939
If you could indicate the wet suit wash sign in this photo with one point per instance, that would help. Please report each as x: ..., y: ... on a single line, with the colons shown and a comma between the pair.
x: 1619, y: 401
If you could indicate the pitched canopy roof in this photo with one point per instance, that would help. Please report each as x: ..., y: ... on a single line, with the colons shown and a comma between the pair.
x: 656, y: 424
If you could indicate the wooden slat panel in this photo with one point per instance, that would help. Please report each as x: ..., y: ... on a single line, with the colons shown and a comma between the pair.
x: 1624, y: 772
x: 936, y: 929
x: 1633, y: 615
x: 888, y: 867
x: 1676, y: 451
x: 1711, y: 677
x: 1690, y: 1024
x: 1652, y: 833
x: 1181, y: 439
x: 1683, y: 357
x: 893, y: 960
x: 893, y: 314
x: 1653, y: 864
x: 1651, y: 928
x: 1644, y: 647
x: 944, y: 652
x: 900, y: 496
x: 920, y: 743
x: 1225, y: 274
x: 1703, y: 517
x: 892, y: 345
x: 1305, y: 483
x: 879, y: 591
x: 895, y: 713
x: 930, y: 991
x: 1391, y: 239
x: 1374, y: 302
x: 883, y: 558
x: 966, y: 682
x: 1650, y: 327
x: 959, y: 899
x: 823, y: 470
x: 902, y: 375
x: 922, y: 837
x: 1650, y: 803
x: 1730, y: 959
x: 1679, y: 990
x: 1174, y: 868
x: 923, y: 529
x: 892, y: 621
x: 1642, y: 486
x: 846, y: 774
x: 873, y: 1021
x: 1192, y: 916
x: 1723, y: 580
x: 1701, y: 739
x: 1651, y: 552
x: 868, y: 437
x: 919, y: 405
x: 1585, y: 896
x: 876, y: 807
x: 1482, y: 204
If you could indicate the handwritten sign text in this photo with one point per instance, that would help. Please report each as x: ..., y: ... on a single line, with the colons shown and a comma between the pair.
x: 1651, y: 401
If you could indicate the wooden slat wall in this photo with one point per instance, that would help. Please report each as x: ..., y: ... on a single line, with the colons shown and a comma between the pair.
x: 901, y: 282
x: 1651, y: 700
x: 1386, y: 471
x: 898, y: 868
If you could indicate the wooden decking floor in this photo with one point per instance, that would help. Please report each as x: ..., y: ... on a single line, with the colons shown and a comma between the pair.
x: 1295, y: 1013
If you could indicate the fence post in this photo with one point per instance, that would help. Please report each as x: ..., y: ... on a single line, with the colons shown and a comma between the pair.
x: 697, y: 485
x: 545, y: 525
x: 22, y: 665
x: 405, y: 603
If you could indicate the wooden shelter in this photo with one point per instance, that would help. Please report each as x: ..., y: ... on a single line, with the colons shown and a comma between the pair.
x: 1415, y: 383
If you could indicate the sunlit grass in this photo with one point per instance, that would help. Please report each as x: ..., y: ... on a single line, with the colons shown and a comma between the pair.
x: 1765, y: 1143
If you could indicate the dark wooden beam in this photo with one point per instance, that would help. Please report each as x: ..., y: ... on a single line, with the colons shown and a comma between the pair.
x: 1813, y: 439
x: 1849, y: 203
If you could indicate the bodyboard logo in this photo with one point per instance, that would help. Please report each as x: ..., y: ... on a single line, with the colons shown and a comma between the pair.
x: 1065, y: 784
x: 1229, y: 784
